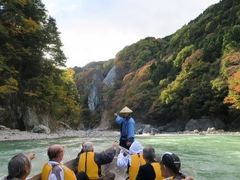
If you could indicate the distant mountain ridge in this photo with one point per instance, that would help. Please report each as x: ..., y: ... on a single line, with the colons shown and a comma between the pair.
x: 191, y: 74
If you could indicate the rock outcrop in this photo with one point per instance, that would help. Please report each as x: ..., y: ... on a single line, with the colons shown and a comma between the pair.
x: 173, y: 126
x: 4, y: 128
x: 203, y: 124
x: 109, y: 80
x: 93, y: 97
x: 30, y: 118
x: 41, y: 129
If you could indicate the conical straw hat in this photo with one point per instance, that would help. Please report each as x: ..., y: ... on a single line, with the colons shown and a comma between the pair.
x: 126, y: 110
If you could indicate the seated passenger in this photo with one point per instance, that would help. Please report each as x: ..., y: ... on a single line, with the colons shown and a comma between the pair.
x: 152, y: 169
x: 90, y: 162
x: 54, y: 170
x: 171, y: 165
x: 19, y: 167
x: 133, y: 160
x: 82, y: 176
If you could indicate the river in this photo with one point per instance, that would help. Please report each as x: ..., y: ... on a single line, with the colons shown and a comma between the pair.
x: 204, y: 157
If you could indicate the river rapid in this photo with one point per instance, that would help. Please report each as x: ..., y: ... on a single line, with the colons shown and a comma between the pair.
x: 203, y: 156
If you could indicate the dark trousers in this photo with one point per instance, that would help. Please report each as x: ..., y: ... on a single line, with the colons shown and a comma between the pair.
x: 123, y: 143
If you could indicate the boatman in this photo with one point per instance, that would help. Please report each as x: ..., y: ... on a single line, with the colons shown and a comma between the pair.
x: 127, y: 128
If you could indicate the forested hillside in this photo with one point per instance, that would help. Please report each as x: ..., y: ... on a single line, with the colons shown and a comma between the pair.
x: 191, y: 74
x: 35, y: 86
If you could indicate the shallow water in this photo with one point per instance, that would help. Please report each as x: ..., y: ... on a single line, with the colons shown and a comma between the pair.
x: 204, y: 157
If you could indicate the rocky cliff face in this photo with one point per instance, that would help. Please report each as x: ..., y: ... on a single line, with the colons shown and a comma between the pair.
x: 190, y: 74
x: 93, y: 97
x: 111, y: 77
x: 23, y: 118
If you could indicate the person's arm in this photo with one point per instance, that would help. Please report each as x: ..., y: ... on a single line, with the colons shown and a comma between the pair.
x: 31, y: 155
x: 105, y: 157
x: 131, y: 128
x: 119, y: 119
x: 189, y: 178
x: 123, y: 161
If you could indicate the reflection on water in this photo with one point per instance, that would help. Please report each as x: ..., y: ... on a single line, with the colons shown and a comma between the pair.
x: 204, y: 157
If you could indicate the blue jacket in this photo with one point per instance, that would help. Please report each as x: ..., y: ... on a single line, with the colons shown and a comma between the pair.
x: 127, y: 127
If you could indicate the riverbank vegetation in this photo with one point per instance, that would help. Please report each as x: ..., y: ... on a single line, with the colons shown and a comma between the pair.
x: 32, y: 66
x: 191, y: 74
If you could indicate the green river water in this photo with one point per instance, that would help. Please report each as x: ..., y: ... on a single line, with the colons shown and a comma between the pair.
x: 204, y: 157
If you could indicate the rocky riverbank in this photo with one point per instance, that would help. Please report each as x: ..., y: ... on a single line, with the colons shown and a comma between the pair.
x: 14, y: 134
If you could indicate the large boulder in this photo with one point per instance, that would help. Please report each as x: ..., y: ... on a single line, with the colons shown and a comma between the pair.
x: 145, y: 129
x: 63, y: 125
x: 4, y: 128
x: 211, y: 130
x: 173, y: 126
x: 41, y: 129
x: 203, y: 124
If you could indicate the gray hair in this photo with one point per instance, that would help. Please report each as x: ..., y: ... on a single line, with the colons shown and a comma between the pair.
x: 88, y: 146
x: 19, y: 166
x: 149, y: 154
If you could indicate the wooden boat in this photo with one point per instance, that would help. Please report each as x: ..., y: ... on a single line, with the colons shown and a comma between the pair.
x: 111, y: 167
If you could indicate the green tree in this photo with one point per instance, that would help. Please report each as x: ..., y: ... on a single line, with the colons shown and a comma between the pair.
x: 32, y: 61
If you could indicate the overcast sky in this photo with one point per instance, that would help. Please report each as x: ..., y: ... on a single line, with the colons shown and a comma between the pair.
x: 95, y: 30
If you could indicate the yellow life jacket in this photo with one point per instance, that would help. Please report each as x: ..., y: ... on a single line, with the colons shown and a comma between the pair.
x: 47, y: 168
x: 88, y: 165
x: 157, y: 169
x: 136, y: 161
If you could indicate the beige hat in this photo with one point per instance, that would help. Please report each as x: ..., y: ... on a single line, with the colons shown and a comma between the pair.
x: 126, y: 110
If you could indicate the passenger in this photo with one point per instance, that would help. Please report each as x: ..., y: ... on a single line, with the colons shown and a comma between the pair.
x: 82, y: 176
x: 171, y: 167
x: 152, y: 169
x: 90, y: 162
x: 54, y: 170
x: 19, y: 167
x: 127, y: 124
x: 133, y: 160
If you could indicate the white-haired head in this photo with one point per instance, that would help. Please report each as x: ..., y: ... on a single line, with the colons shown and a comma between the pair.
x: 87, y: 147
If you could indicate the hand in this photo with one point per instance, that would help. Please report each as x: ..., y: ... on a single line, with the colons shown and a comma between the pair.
x: 115, y: 145
x: 123, y: 152
x: 189, y: 178
x: 115, y: 114
x: 31, y: 155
